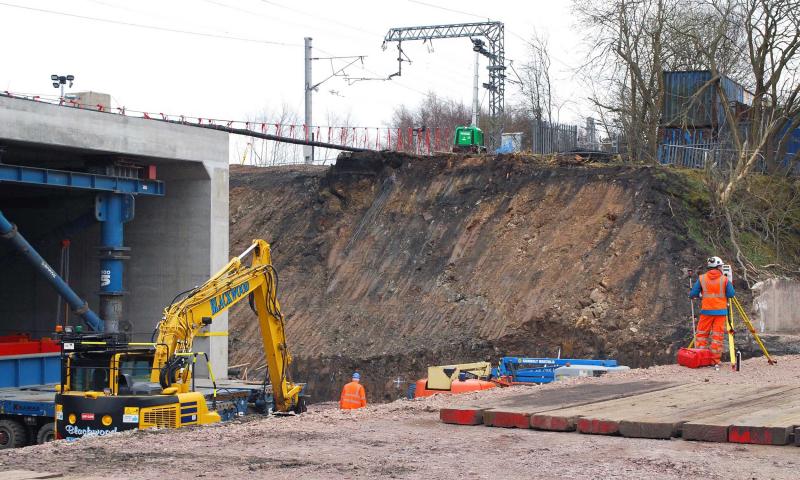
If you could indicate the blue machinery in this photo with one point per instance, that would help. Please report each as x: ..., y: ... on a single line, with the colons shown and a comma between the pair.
x: 540, y: 370
x: 114, y: 205
x: 112, y: 210
x: 9, y: 232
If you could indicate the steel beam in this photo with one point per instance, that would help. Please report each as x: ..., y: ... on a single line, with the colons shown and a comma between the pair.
x: 490, y: 30
x: 45, y: 177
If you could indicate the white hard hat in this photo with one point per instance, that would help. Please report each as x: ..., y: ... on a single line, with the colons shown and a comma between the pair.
x: 714, y: 262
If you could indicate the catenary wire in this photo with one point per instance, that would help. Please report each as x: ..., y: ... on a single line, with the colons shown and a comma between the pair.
x: 150, y: 27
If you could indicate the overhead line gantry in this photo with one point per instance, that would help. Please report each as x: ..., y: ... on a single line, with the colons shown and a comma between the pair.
x: 493, y: 32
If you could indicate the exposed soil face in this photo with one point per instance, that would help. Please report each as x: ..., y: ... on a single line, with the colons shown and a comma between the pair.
x: 391, y: 263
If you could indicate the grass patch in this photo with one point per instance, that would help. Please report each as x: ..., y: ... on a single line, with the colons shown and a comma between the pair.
x: 687, y: 187
x: 696, y: 231
x: 755, y: 249
x: 763, y: 207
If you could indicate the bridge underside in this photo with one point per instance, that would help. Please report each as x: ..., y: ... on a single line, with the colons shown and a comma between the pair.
x: 176, y: 240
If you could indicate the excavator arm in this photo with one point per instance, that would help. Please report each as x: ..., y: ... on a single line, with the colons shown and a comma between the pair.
x: 184, y: 319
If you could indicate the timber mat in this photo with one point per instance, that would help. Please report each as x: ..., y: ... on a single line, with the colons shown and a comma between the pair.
x: 665, y: 413
x: 660, y: 410
x: 768, y: 420
x: 515, y: 410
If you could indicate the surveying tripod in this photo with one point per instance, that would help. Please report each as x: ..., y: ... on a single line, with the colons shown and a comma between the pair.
x: 729, y: 326
x: 746, y: 320
x: 733, y: 303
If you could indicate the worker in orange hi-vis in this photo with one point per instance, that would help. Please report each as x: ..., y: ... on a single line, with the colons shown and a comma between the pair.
x: 716, y: 290
x: 353, y: 394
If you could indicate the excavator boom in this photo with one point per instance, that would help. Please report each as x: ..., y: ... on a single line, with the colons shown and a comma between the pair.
x: 184, y: 319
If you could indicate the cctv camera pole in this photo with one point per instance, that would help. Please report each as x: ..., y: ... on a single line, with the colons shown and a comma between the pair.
x: 308, y: 153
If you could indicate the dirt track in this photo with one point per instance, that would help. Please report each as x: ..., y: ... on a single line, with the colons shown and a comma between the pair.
x: 405, y: 439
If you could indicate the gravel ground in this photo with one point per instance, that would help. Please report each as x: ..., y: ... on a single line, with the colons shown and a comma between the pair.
x: 404, y: 439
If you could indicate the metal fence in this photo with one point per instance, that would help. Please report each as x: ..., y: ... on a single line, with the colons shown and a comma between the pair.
x: 690, y: 156
x: 547, y: 137
x: 709, y: 155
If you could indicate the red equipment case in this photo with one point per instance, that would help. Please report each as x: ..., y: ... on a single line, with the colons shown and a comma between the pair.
x: 695, y: 357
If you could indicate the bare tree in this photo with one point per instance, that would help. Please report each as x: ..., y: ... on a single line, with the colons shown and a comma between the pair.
x: 276, y: 153
x: 339, y: 126
x: 626, y: 59
x: 433, y: 112
x: 753, y: 42
x: 769, y: 36
x: 534, y: 79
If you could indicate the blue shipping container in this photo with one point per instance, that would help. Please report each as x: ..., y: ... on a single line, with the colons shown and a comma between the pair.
x: 684, y: 107
x: 792, y: 142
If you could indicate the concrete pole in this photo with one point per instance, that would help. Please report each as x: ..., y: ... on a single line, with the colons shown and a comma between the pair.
x: 307, y: 151
x: 475, y: 105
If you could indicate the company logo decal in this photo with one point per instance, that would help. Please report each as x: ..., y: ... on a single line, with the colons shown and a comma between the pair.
x: 225, y: 299
x: 88, y: 431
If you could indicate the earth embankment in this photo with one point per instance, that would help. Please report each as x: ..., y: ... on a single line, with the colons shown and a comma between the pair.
x: 391, y: 263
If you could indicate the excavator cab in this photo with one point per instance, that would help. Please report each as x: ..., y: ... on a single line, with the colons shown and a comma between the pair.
x: 105, y: 388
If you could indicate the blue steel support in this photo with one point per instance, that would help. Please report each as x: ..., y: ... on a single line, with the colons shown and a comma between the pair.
x: 112, y: 210
x: 44, y: 177
x: 9, y: 232
x: 113, y: 207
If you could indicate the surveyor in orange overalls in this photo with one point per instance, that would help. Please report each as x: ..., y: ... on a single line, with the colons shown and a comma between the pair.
x: 353, y: 394
x: 716, y: 290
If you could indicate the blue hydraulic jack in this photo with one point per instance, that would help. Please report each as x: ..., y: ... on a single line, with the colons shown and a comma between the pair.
x: 113, y: 210
x: 115, y: 189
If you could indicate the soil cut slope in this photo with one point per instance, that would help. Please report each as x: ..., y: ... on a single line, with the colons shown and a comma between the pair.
x: 390, y: 263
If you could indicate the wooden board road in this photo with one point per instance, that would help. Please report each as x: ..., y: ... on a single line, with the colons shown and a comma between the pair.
x: 652, y: 415
x: 768, y: 420
x: 648, y: 409
x: 515, y: 411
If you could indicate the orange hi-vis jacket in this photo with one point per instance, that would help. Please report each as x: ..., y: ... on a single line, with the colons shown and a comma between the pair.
x: 714, y: 284
x: 716, y: 290
x: 353, y: 396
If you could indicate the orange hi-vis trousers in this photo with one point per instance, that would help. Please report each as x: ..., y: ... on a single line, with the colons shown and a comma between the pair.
x: 713, y: 326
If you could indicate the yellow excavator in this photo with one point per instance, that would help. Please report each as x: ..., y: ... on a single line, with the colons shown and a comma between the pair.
x: 110, y: 385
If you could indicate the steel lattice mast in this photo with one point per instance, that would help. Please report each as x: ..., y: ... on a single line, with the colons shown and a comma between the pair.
x: 494, y: 32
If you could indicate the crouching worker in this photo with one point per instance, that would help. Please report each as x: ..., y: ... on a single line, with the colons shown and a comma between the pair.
x: 353, y: 394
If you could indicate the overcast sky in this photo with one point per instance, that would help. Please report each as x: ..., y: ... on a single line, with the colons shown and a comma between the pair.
x: 206, y: 76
